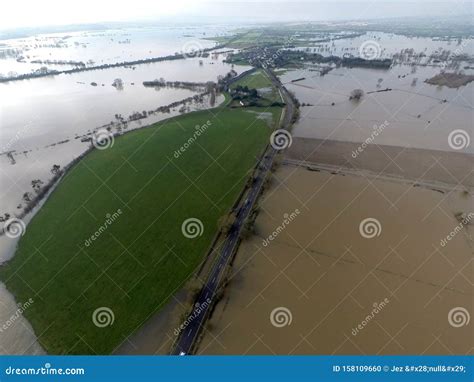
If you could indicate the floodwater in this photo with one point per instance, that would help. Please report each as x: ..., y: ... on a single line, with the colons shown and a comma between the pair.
x: 41, y: 119
x: 389, y: 44
x: 38, y: 113
x: 328, y: 276
x: 318, y: 283
x: 411, y: 113
x: 417, y: 116
x: 438, y: 168
x: 104, y: 46
x: 44, y: 111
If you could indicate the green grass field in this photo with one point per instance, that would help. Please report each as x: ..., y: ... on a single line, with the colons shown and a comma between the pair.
x: 258, y: 80
x: 242, y: 39
x: 141, y: 258
x: 255, y: 80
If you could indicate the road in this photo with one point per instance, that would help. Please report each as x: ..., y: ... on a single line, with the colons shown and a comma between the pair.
x: 188, y: 336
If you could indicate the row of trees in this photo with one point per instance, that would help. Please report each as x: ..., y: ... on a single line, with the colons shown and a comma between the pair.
x: 37, y: 184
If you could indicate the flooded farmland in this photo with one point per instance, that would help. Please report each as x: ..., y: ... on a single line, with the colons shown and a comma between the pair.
x: 324, y: 277
x: 349, y: 253
x: 96, y: 47
x: 419, y: 116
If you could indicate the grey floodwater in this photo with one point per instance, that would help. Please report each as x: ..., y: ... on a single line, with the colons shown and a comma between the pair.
x: 99, y: 47
x: 386, y: 44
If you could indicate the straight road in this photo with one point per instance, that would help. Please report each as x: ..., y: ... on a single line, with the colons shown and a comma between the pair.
x: 190, y: 333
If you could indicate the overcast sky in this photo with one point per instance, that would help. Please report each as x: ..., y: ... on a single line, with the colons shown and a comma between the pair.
x: 24, y: 13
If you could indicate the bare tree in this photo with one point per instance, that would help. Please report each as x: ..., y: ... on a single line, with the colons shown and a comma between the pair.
x: 4, y: 218
x: 55, y: 169
x: 357, y: 94
x: 27, y: 197
x: 226, y: 222
x: 118, y: 84
x: 36, y: 184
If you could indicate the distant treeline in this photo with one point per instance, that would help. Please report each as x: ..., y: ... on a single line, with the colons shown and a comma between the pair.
x: 59, y: 62
x: 362, y: 63
x: 288, y: 57
x: 161, y: 83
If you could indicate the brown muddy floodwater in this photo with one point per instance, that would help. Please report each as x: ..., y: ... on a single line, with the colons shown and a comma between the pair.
x: 329, y: 278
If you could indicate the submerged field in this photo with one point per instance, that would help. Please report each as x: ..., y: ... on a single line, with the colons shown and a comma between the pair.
x: 134, y: 197
x: 325, y: 277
